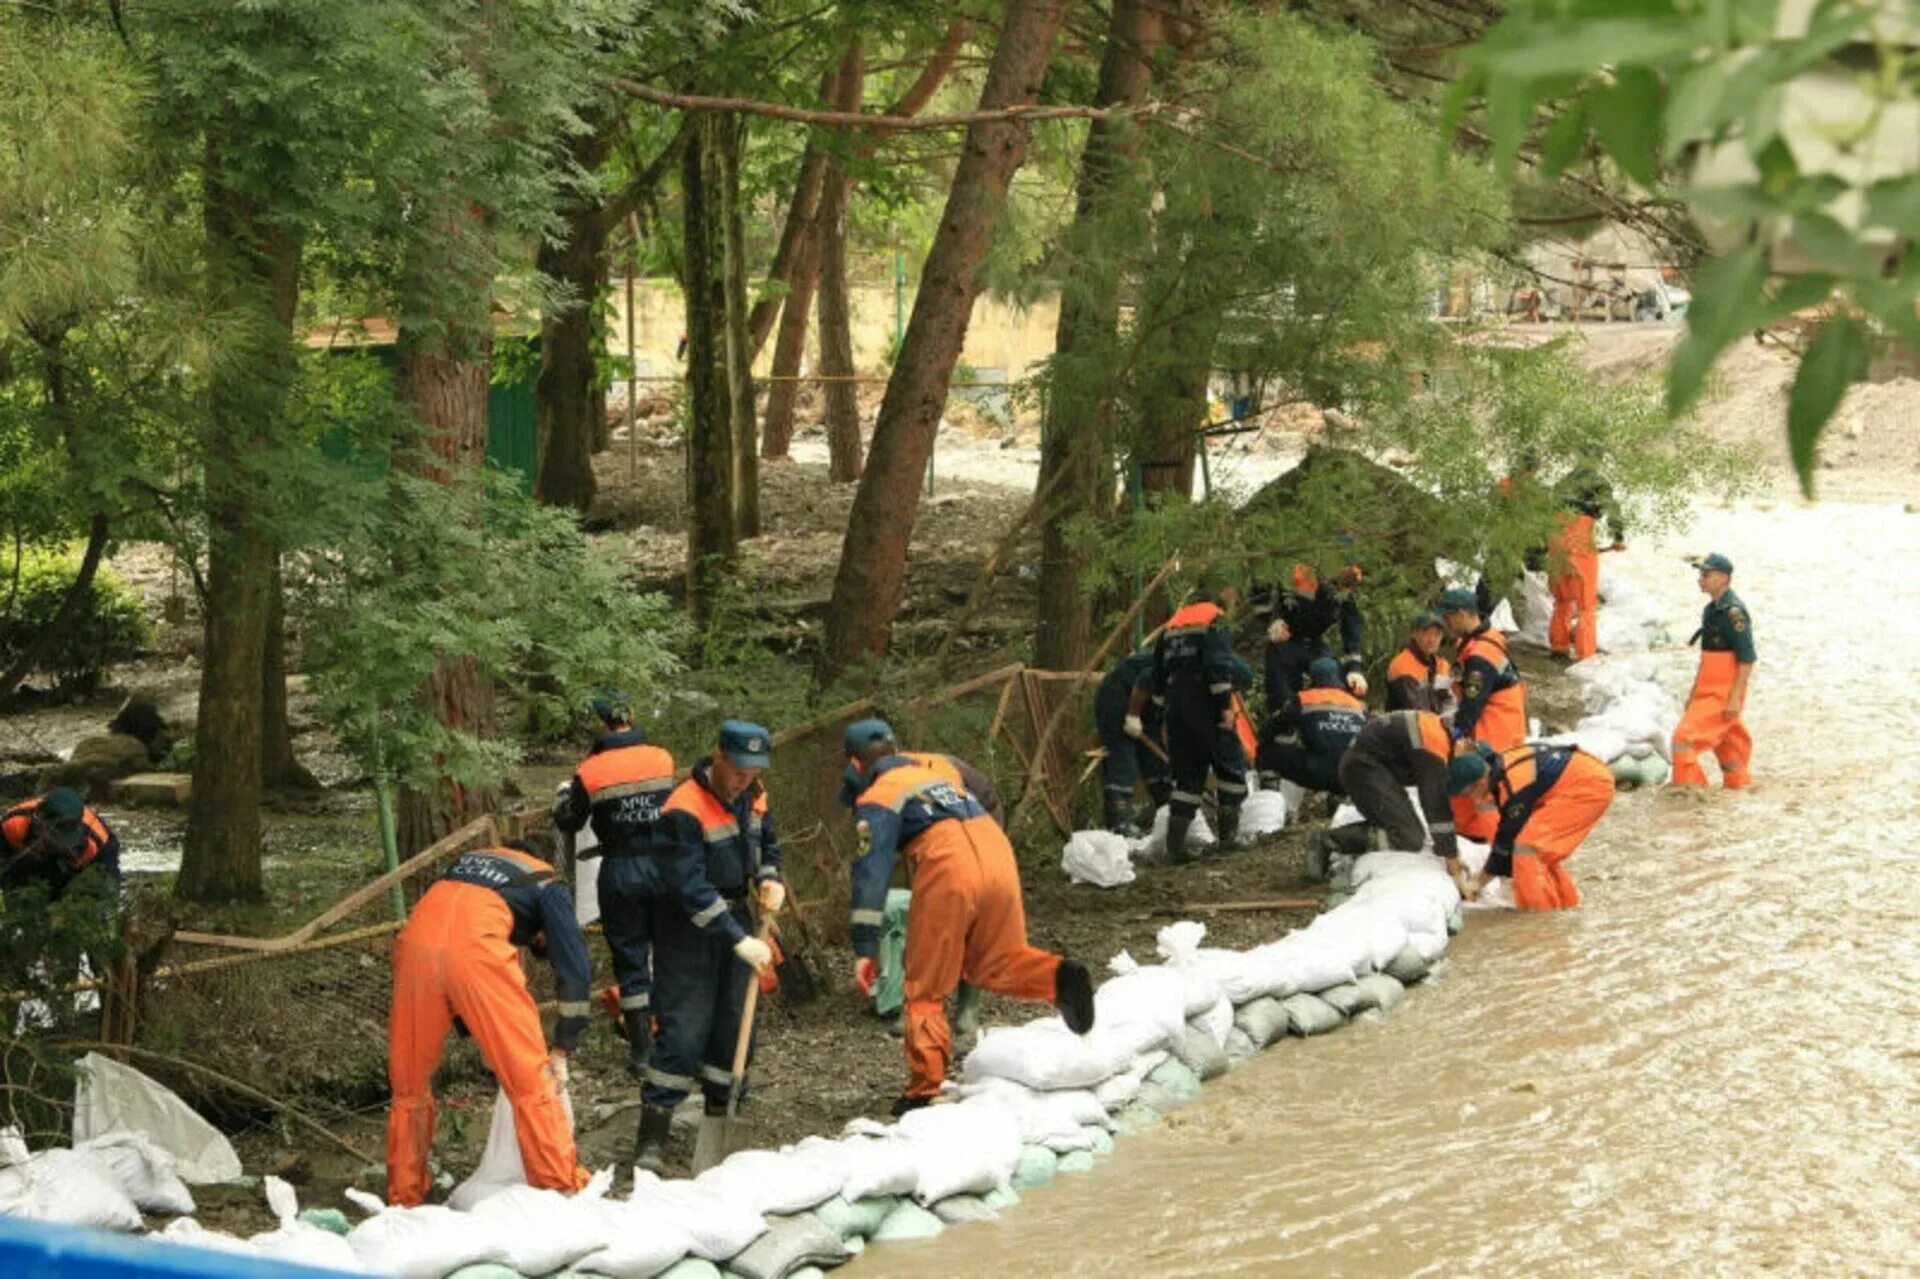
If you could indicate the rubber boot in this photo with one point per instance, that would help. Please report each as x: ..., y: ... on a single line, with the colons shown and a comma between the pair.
x: 710, y: 1146
x: 966, y: 1009
x: 650, y: 1148
x: 1073, y: 995
x: 1229, y: 826
x: 1177, y: 854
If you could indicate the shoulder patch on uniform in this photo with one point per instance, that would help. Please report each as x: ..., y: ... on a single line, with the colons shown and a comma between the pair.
x: 1737, y: 618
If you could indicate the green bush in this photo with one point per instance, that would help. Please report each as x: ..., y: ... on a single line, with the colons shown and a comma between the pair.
x: 109, y: 627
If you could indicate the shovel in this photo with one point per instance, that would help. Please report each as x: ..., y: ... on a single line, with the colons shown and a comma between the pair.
x: 707, y: 1153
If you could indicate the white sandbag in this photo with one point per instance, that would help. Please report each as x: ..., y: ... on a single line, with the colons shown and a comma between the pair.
x: 545, y: 1230
x: 1098, y: 857
x: 640, y: 1238
x: 791, y: 1246
x: 297, y: 1242
x: 1536, y: 607
x: 1384, y: 991
x: 420, y: 1243
x: 719, y: 1227
x: 144, y: 1171
x: 968, y: 1148
x: 1044, y: 1054
x: 1429, y: 946
x: 586, y: 887
x: 112, y: 1097
x: 1216, y: 1022
x: 190, y: 1233
x: 1198, y: 1051
x: 781, y: 1182
x: 1360, y: 932
x: 1416, y: 903
x: 1379, y: 865
x: 1263, y: 814
x: 1295, y: 963
x: 68, y: 1187
x: 879, y: 1165
x: 500, y: 1165
x: 1240, y: 1049
x: 1116, y: 1092
x: 1503, y: 619
x: 1179, y: 945
x: 1055, y: 1120
x: 1345, y: 815
x: 1200, y: 837
x: 1139, y: 1008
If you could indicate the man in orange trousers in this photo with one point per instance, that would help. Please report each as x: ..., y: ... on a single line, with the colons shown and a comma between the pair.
x: 1573, y: 564
x: 967, y: 920
x: 457, y: 964
x: 1548, y: 798
x: 1712, y: 719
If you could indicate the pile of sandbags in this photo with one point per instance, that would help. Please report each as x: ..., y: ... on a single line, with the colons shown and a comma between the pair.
x: 1632, y: 705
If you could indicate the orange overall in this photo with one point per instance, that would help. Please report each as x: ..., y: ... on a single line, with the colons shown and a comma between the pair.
x: 1574, y: 569
x: 1543, y: 819
x: 1493, y: 710
x: 456, y: 958
x: 1705, y: 727
x: 967, y: 921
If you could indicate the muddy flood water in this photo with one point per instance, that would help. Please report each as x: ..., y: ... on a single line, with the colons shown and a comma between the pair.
x: 1708, y: 1068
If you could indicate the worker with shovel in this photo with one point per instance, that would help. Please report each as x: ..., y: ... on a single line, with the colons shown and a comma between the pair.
x: 967, y: 920
x: 719, y: 858
x: 1131, y: 742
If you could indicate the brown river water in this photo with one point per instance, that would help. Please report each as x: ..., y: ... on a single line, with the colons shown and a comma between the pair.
x: 1710, y: 1068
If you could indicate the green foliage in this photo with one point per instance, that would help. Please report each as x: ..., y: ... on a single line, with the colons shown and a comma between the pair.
x: 110, y: 624
x: 1785, y: 129
x: 44, y: 939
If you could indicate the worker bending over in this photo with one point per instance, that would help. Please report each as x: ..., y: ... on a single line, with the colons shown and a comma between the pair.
x: 967, y: 921
x: 868, y: 741
x: 1420, y: 678
x: 1549, y: 798
x: 52, y: 840
x: 457, y: 964
x: 1192, y: 679
x: 1401, y: 750
x: 1573, y: 563
x: 618, y: 790
x: 1712, y: 720
x: 1305, y: 740
x: 1301, y: 613
x: 1132, y: 743
x: 718, y: 857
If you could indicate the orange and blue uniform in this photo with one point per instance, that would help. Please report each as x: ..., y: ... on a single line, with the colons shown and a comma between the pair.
x: 1193, y: 680
x: 1549, y: 798
x: 1398, y: 751
x: 1726, y: 644
x: 967, y: 921
x: 458, y: 958
x: 1573, y: 564
x: 1310, y: 609
x: 1416, y: 682
x: 1493, y: 697
x: 1306, y: 740
x: 99, y: 847
x: 711, y: 853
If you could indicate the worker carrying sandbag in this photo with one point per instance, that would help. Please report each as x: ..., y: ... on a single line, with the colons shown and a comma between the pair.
x: 1399, y: 751
x: 619, y: 790
x: 1192, y: 682
x: 1420, y: 677
x: 456, y: 964
x: 52, y: 840
x: 1299, y: 614
x: 1305, y: 741
x: 967, y: 920
x: 1712, y: 720
x: 719, y: 857
x: 1573, y: 563
x: 1493, y: 697
x: 1549, y: 798
x: 1133, y: 743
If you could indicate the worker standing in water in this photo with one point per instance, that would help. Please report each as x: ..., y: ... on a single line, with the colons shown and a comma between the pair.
x: 1712, y: 721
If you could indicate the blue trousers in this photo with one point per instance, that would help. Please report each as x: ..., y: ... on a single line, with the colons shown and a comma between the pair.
x: 629, y: 888
x: 699, y: 993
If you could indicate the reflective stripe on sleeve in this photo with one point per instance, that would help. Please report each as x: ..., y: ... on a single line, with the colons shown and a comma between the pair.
x: 871, y: 918
x: 702, y: 918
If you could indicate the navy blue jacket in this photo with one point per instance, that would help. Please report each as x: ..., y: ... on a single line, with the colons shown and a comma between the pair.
x: 710, y: 852
x: 540, y: 902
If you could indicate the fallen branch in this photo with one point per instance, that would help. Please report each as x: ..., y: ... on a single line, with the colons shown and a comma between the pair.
x: 1020, y: 111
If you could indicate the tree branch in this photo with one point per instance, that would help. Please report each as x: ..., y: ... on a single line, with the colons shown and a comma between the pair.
x: 887, y: 124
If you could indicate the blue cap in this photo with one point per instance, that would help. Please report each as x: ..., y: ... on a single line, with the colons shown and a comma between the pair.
x: 1421, y: 621
x: 1459, y: 600
x: 747, y: 744
x: 1324, y: 672
x: 612, y: 706
x: 1467, y: 768
x: 59, y: 818
x: 1715, y: 563
x: 863, y: 733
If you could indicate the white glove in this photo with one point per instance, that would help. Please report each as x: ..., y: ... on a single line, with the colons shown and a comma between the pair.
x: 773, y: 895
x: 753, y: 952
x: 1357, y: 683
x: 1279, y: 632
x: 1134, y: 727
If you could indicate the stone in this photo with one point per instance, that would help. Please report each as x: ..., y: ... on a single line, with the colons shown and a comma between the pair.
x: 97, y: 761
x: 162, y: 790
x: 139, y: 717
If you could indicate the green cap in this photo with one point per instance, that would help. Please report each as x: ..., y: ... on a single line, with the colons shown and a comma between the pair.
x: 1715, y: 563
x: 612, y: 706
x: 1423, y: 620
x: 1459, y: 600
x: 863, y: 733
x: 60, y: 818
x: 1323, y: 672
x: 1465, y: 770
x: 747, y: 744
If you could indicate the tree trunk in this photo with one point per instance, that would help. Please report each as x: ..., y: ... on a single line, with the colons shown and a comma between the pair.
x: 279, y: 769
x: 790, y: 348
x: 793, y: 251
x: 731, y: 133
x: 866, y: 591
x: 563, y: 397
x: 841, y: 393
x: 260, y: 270
x: 1076, y: 437
x: 1174, y: 405
x: 712, y: 545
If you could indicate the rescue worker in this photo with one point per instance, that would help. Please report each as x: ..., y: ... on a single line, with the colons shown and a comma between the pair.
x: 1301, y: 613
x: 1493, y: 697
x: 714, y: 847
x: 1305, y: 740
x: 1129, y: 756
x: 52, y: 840
x: 456, y: 965
x: 1398, y: 751
x: 1192, y: 682
x: 1420, y: 678
x: 869, y: 740
x: 967, y: 921
x: 618, y: 790
x: 1712, y: 720
x: 1573, y: 564
x: 1549, y: 798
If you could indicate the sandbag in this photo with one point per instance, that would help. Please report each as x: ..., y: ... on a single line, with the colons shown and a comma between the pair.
x: 1264, y: 814
x: 545, y: 1230
x: 641, y: 1238
x: 1171, y: 1086
x: 112, y: 1097
x: 961, y: 1209
x: 1311, y: 1015
x: 67, y: 1187
x: 1179, y: 945
x: 1036, y: 1167
x: 1261, y: 1020
x: 967, y: 1148
x: 790, y: 1244
x: 190, y: 1233
x: 1200, y: 837
x: 782, y: 1182
x: 857, y: 1218
x: 144, y: 1171
x: 1116, y: 1092
x: 1102, y: 1142
x: 909, y: 1221
x: 1051, y: 1119
x: 298, y: 1242
x: 719, y: 1227
x: 692, y: 1268
x: 1078, y: 1161
x: 878, y: 1164
x: 1410, y: 965
x: 890, y: 987
x: 1098, y: 857
x: 1044, y: 1054
x: 1349, y: 1000
x: 1650, y: 770
x: 1140, y: 1008
x: 1196, y: 1050
x: 1386, y: 992
x: 1240, y: 1049
x: 500, y: 1165
x: 427, y: 1242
